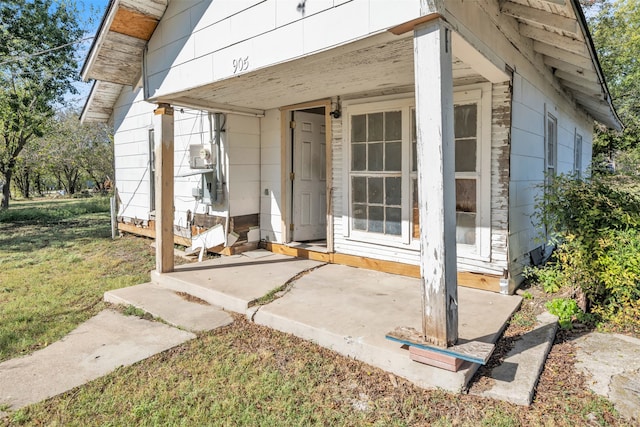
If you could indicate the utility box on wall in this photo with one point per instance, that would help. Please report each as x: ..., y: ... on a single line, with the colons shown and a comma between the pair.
x: 201, y: 157
x: 208, y: 187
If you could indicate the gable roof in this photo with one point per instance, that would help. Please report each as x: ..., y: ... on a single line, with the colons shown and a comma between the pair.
x: 557, y: 29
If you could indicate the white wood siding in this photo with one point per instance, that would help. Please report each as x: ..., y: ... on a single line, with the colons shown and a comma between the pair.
x: 528, y: 159
x: 198, y: 43
x: 270, y: 174
x: 243, y: 156
x: 133, y: 118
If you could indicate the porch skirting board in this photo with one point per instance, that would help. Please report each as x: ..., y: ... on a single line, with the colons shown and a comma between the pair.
x: 150, y: 232
x: 486, y: 282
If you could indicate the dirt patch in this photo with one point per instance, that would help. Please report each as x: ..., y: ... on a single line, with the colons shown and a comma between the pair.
x: 191, y: 298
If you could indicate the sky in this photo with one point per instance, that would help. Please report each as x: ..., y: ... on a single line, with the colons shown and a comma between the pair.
x: 91, y: 12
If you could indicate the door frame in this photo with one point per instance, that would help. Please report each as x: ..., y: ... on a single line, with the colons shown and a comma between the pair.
x: 285, y: 167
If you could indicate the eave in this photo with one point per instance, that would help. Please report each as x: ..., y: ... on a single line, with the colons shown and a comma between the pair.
x: 559, y: 33
x: 115, y: 57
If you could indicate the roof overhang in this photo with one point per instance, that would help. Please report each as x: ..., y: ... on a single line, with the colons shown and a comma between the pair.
x: 115, y: 57
x: 559, y: 33
x: 557, y: 29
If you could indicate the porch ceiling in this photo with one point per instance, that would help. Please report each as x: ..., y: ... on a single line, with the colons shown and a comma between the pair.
x: 378, y: 65
x: 559, y: 33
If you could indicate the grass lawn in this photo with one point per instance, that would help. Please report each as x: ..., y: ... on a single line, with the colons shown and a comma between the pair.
x: 58, y: 259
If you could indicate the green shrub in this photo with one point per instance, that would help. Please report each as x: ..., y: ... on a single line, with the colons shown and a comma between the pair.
x: 597, y: 225
x: 566, y: 309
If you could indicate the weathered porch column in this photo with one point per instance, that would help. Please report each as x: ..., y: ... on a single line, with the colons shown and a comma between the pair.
x: 163, y: 148
x: 436, y: 182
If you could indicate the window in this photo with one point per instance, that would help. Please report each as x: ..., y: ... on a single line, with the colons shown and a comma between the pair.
x: 376, y: 172
x: 577, y: 155
x: 381, y: 171
x: 551, y: 146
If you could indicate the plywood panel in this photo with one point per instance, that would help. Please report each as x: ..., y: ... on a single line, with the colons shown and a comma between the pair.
x: 134, y: 24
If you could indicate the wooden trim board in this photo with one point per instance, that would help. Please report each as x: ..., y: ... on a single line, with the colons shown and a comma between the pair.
x: 486, y: 282
x: 151, y: 233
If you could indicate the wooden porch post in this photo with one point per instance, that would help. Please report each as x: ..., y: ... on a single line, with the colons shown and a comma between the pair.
x: 436, y: 182
x: 163, y: 147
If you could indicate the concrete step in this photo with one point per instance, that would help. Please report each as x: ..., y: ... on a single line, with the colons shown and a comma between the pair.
x: 180, y: 283
x: 516, y: 377
x: 169, y: 306
x: 234, y: 282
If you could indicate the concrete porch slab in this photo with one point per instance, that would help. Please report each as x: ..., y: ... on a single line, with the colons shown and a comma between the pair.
x: 170, y: 307
x: 234, y: 282
x: 349, y: 310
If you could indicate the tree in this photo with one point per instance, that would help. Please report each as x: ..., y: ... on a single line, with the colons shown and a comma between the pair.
x: 615, y: 27
x: 37, y: 67
x: 73, y: 152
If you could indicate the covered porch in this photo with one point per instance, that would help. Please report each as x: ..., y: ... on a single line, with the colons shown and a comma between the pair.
x: 348, y: 310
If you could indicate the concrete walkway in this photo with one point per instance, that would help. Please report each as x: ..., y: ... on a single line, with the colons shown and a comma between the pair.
x: 611, y: 363
x: 97, y: 347
x: 515, y: 379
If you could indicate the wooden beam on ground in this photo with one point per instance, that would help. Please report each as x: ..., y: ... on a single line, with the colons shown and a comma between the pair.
x: 540, y: 17
x: 150, y: 232
x: 471, y: 351
x: 163, y: 132
x: 436, y: 182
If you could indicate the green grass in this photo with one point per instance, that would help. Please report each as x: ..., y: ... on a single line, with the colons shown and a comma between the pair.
x: 57, y: 259
x: 243, y: 374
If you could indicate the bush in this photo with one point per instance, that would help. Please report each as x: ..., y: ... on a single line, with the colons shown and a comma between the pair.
x: 597, y: 260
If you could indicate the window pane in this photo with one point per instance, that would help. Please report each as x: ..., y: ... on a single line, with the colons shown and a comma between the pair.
x: 465, y: 120
x: 466, y: 195
x: 466, y: 228
x: 359, y: 217
x: 359, y: 128
x: 375, y: 127
x: 393, y: 191
x: 359, y: 189
x: 376, y: 219
x: 375, y: 156
x: 375, y: 190
x: 466, y: 155
x: 393, y: 126
x: 393, y: 221
x: 393, y: 156
x: 359, y: 157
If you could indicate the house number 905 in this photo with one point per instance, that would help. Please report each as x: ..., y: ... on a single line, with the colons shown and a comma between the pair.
x: 240, y: 64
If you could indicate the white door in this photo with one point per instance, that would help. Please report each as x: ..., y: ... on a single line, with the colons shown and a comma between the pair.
x: 309, y: 177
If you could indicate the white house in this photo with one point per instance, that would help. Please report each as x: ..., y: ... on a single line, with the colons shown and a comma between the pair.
x: 409, y: 136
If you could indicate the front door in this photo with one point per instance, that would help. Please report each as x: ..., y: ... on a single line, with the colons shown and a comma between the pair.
x: 309, y: 177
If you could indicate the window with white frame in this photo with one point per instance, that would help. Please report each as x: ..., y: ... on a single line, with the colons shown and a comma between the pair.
x: 577, y: 155
x: 382, y: 173
x: 376, y: 172
x: 551, y: 146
